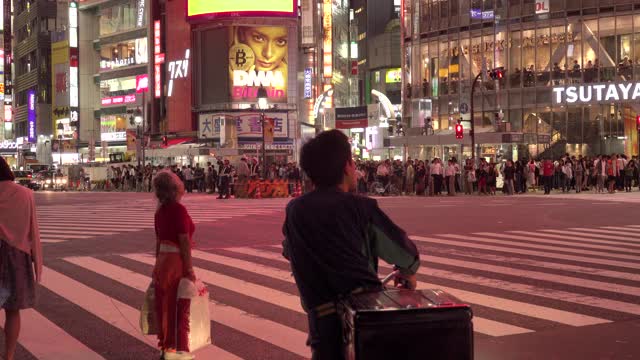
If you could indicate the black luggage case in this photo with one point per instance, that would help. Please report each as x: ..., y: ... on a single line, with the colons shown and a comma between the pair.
x: 407, y: 325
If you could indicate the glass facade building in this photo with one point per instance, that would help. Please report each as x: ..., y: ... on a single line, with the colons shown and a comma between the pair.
x: 566, y: 43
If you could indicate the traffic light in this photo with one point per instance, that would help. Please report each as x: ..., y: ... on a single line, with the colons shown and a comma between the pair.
x: 459, y: 131
x: 638, y: 122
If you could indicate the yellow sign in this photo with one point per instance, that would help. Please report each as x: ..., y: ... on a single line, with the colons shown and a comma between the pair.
x: 393, y: 76
x: 327, y: 26
x: 241, y: 7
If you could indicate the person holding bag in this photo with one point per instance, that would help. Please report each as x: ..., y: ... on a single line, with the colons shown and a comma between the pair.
x: 20, y: 254
x: 174, y: 232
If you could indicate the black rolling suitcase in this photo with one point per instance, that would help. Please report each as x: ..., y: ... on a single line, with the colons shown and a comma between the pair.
x: 406, y: 325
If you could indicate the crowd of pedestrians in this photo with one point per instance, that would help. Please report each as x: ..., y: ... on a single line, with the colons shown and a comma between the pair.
x: 220, y: 177
x: 609, y: 173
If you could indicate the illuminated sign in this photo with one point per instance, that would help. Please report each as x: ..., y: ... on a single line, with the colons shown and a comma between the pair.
x: 157, y: 73
x: 142, y: 83
x: 308, y: 79
x: 327, y: 26
x: 481, y: 15
x: 119, y: 100
x: 542, y: 6
x: 248, y: 125
x: 139, y: 56
x: 31, y: 115
x: 74, y: 95
x: 113, y: 128
x: 258, y: 56
x: 393, y: 76
x: 140, y: 16
x: 116, y: 63
x: 178, y: 69
x: 8, y: 145
x: 73, y: 24
x: 218, y: 8
x: 596, y: 93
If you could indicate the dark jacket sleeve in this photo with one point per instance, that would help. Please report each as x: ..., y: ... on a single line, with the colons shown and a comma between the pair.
x: 391, y: 243
x: 285, y: 244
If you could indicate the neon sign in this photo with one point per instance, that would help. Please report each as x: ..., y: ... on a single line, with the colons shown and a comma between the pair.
x: 31, y: 115
x: 178, y: 69
x: 158, y: 60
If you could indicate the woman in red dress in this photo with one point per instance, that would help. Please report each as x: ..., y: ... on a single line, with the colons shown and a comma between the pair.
x: 174, y: 232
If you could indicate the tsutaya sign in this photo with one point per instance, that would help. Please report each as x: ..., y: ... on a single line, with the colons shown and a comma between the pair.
x: 595, y: 93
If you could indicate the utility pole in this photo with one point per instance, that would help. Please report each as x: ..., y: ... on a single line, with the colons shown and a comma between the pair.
x: 472, y: 131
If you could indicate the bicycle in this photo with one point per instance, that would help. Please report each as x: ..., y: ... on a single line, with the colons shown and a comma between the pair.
x: 378, y: 188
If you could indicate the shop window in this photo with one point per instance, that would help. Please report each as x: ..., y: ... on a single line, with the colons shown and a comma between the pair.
x: 636, y: 46
x: 514, y: 69
x: 118, y: 18
x: 624, y: 41
x: 529, y: 57
x: 590, y: 50
x: 559, y: 48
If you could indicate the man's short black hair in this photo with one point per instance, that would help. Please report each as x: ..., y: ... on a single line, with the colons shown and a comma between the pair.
x: 324, y: 158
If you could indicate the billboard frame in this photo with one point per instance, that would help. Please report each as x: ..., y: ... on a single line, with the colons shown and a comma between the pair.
x: 242, y: 14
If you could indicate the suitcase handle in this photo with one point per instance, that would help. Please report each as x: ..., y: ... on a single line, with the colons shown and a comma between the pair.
x: 392, y: 276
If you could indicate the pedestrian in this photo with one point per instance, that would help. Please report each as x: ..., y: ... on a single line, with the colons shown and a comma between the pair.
x: 509, y: 177
x: 547, y: 174
x: 174, y: 233
x: 530, y: 170
x: 243, y: 173
x: 410, y: 178
x: 225, y: 180
x: 612, y: 171
x: 567, y: 171
x: 20, y: 254
x: 629, y: 172
x: 420, y: 178
x: 187, y: 174
x: 450, y: 174
x: 436, y: 173
x: 492, y: 178
x: 469, y: 176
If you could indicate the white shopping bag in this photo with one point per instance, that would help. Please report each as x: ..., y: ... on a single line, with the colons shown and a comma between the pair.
x: 148, y: 315
x: 194, y: 323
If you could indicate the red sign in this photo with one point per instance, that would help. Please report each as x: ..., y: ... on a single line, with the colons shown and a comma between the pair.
x: 117, y: 100
x: 354, y: 68
x: 142, y: 83
x: 157, y: 71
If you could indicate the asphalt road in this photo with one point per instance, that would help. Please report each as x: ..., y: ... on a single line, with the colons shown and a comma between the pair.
x: 548, y: 277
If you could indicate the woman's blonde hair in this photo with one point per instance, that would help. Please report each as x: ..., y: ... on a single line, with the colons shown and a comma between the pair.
x: 167, y: 186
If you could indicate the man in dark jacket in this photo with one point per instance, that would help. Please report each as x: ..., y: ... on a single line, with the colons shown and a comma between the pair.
x: 333, y: 239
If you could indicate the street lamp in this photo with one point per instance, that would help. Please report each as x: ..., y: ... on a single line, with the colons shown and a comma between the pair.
x: 138, y: 121
x: 263, y: 104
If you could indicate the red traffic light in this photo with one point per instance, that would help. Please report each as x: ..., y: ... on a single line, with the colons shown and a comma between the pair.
x: 638, y: 122
x: 499, y: 74
x: 459, y: 131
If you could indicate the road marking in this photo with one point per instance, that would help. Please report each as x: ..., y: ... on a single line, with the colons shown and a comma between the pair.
x: 279, y: 335
x: 244, y: 265
x: 63, y: 236
x: 561, y: 279
x: 603, y: 236
x: 517, y: 307
x: 548, y: 255
x: 65, y: 232
x: 263, y: 293
x: 540, y: 247
x: 119, y: 315
x: 631, y: 236
x: 49, y: 241
x: 538, y: 239
x: 568, y: 237
x: 481, y: 325
x: 54, y: 225
x: 46, y: 341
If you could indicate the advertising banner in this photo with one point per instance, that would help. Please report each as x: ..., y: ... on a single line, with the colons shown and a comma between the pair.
x: 352, y: 117
x: 258, y: 57
x: 248, y: 125
x: 31, y: 116
x: 220, y: 8
x: 113, y: 128
x: 307, y: 8
x: 542, y: 6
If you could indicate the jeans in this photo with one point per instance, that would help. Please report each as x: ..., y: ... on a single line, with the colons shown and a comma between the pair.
x: 325, y: 337
x: 509, y: 185
x: 548, y: 182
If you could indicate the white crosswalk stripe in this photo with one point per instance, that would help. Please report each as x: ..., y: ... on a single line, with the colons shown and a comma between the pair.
x: 61, y: 223
x: 517, y: 282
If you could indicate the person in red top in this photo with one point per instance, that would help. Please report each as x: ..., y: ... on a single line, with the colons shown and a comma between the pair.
x: 547, y: 173
x: 174, y: 233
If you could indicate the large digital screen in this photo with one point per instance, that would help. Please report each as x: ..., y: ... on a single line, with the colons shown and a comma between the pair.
x: 258, y: 56
x: 241, y: 8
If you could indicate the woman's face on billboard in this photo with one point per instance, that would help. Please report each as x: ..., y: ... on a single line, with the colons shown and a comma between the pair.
x: 269, y: 45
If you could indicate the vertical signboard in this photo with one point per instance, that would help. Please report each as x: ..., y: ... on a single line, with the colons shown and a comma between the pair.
x: 327, y: 43
x: 307, y: 22
x: 158, y: 60
x: 74, y: 76
x: 31, y: 116
x: 140, y: 14
x: 7, y: 58
x: 308, y: 83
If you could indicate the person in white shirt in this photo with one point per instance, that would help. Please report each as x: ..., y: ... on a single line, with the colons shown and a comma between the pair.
x: 436, y: 174
x: 450, y: 173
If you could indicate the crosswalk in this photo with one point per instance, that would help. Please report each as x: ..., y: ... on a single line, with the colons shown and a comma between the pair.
x: 60, y: 223
x: 517, y: 282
